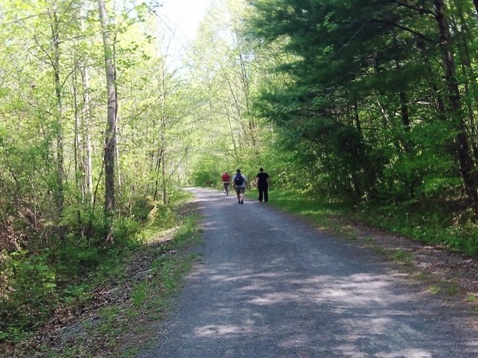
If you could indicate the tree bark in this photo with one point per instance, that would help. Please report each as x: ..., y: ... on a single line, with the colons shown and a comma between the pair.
x: 110, y: 135
x: 88, y: 185
x: 59, y: 192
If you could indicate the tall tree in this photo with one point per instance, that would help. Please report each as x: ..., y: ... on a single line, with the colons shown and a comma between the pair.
x: 55, y: 62
x: 378, y: 59
x: 467, y: 163
x: 110, y: 135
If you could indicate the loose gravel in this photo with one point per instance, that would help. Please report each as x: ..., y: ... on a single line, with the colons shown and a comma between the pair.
x: 271, y: 285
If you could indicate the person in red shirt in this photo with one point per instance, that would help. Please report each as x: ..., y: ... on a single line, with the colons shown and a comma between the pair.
x: 226, y: 180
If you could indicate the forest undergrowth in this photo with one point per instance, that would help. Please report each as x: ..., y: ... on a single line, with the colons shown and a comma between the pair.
x: 87, y: 310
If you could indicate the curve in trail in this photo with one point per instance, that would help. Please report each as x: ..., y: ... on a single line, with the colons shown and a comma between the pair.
x: 270, y: 285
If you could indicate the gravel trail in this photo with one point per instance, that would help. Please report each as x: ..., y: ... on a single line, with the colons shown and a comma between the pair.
x: 269, y: 285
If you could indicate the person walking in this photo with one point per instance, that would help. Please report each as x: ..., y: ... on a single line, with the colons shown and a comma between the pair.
x: 226, y: 179
x: 262, y: 183
x: 240, y: 184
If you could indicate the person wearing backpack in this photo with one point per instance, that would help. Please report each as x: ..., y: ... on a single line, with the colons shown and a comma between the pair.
x: 262, y: 183
x: 240, y: 184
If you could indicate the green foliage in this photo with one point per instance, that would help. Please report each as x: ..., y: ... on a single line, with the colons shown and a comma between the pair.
x: 125, y: 231
x: 139, y: 294
x: 205, y: 177
x: 27, y: 293
x: 74, y: 293
x: 162, y: 216
x: 142, y: 207
x: 33, y: 286
x: 427, y: 221
x: 304, y: 203
x: 82, y: 220
x: 425, y: 171
x: 76, y: 256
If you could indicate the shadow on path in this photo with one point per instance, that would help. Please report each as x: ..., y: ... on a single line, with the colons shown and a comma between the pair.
x: 268, y: 285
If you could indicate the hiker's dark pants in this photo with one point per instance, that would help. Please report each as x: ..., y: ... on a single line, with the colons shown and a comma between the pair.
x: 263, y: 194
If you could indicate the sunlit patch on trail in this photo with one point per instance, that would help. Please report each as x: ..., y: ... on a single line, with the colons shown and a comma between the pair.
x: 212, y: 330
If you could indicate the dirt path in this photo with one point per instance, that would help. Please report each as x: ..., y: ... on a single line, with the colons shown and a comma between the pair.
x: 269, y: 285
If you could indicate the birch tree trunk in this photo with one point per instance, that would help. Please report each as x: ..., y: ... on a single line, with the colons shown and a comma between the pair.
x: 110, y: 135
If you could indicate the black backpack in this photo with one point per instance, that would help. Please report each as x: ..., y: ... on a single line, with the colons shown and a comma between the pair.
x: 238, y: 180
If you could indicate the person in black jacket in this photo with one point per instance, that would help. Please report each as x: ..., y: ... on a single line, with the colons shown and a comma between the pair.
x: 262, y: 183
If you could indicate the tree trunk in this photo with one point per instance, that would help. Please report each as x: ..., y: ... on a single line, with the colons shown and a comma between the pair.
x: 469, y: 73
x: 87, y: 185
x: 467, y: 165
x: 356, y: 116
x: 157, y: 167
x: 244, y: 80
x: 110, y: 135
x: 163, y: 154
x: 59, y: 192
x: 86, y: 128
x: 77, y: 142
